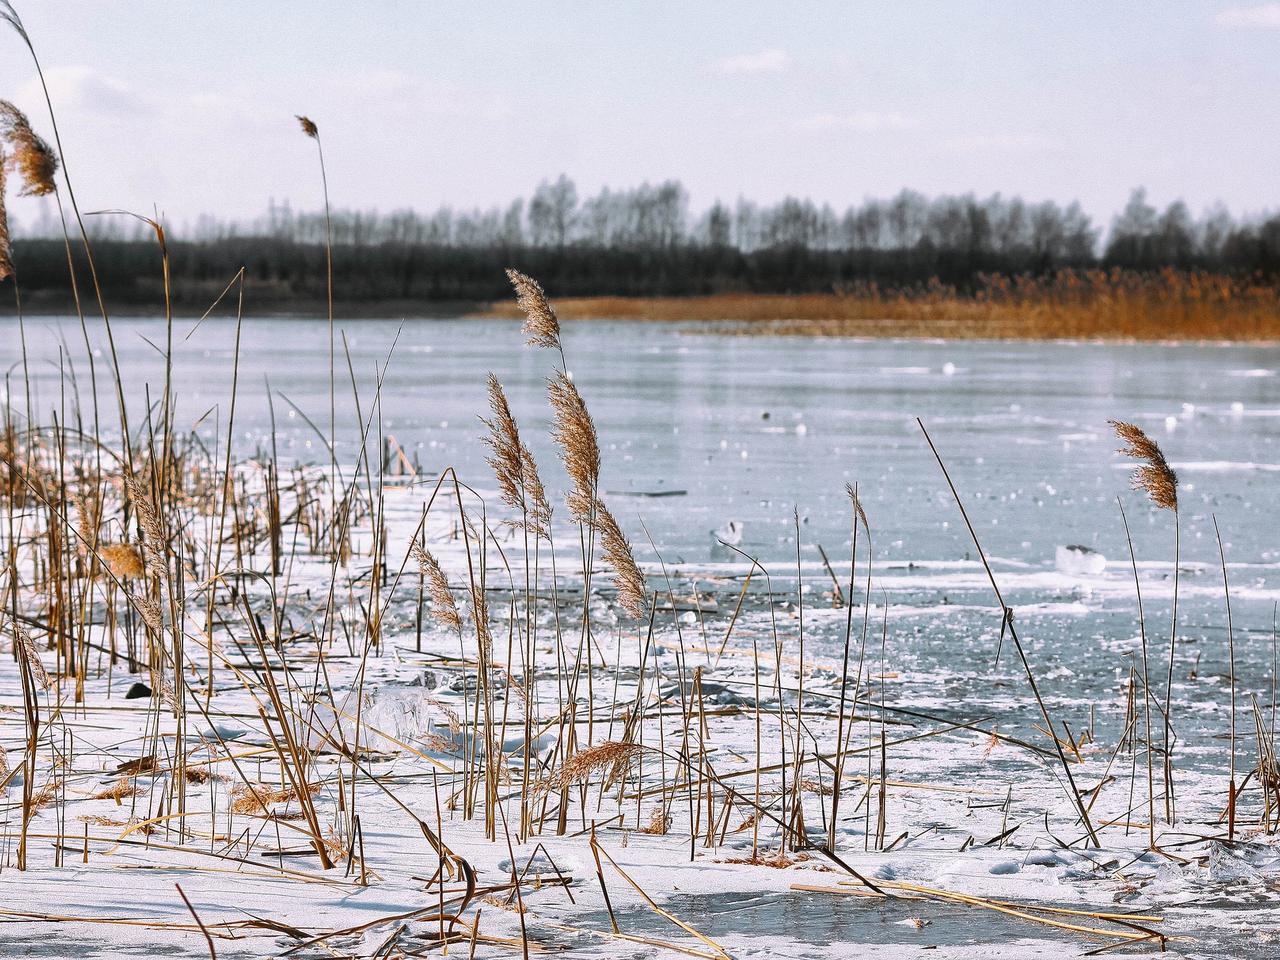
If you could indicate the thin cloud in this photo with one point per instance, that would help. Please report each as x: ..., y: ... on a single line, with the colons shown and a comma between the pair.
x: 999, y: 143
x: 746, y: 64
x: 862, y: 122
x: 1265, y: 16
x: 86, y: 89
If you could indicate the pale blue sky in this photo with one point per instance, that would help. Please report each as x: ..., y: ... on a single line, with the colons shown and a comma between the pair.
x: 189, y: 105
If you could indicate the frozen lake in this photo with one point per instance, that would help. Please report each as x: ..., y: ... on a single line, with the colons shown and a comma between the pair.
x: 748, y: 428
x: 699, y: 429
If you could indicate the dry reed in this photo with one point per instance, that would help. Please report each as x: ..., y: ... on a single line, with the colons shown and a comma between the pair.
x: 541, y: 327
x: 1114, y: 304
x: 575, y: 432
x: 1154, y: 477
x: 444, y: 606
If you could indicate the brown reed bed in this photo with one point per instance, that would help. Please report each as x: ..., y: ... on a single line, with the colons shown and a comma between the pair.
x: 1087, y: 304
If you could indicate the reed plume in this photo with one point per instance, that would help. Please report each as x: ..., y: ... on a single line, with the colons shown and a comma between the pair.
x: 1154, y: 476
x: 32, y: 158
x: 150, y: 611
x: 513, y: 464
x: 26, y: 646
x: 612, y: 755
x: 575, y: 432
x: 857, y: 506
x: 123, y: 560
x: 149, y: 519
x: 541, y: 328
x: 6, y: 245
x: 617, y: 553
x: 308, y: 126
x: 443, y: 605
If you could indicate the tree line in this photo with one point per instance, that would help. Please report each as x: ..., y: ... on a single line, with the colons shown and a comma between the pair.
x: 645, y: 241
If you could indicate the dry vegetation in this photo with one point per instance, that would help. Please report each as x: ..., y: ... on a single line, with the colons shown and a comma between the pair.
x: 1091, y: 304
x: 170, y: 588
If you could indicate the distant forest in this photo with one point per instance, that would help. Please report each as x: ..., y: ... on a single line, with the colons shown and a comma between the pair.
x: 639, y: 242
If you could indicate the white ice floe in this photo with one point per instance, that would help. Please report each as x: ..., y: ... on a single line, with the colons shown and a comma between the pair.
x: 1079, y: 560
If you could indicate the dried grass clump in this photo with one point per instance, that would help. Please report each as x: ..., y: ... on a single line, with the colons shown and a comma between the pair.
x: 1154, y: 477
x: 100, y: 821
x: 659, y: 823
x: 779, y: 861
x: 513, y: 465
x: 42, y: 798
x: 575, y: 432
x: 443, y: 605
x: 612, y: 757
x: 816, y: 787
x: 122, y: 788
x: 123, y: 560
x: 541, y: 328
x: 257, y: 800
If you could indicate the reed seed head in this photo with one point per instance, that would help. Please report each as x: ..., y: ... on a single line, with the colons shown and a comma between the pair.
x: 309, y: 127
x: 6, y: 245
x: 857, y: 506
x: 513, y: 464
x: 150, y: 612
x: 26, y: 647
x: 123, y: 560
x: 32, y: 158
x: 575, y: 432
x: 443, y: 605
x: 149, y: 519
x: 627, y: 577
x: 541, y: 328
x: 1154, y: 476
x: 613, y: 756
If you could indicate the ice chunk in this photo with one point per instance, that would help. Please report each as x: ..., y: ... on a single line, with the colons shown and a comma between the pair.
x: 730, y: 534
x: 1078, y: 560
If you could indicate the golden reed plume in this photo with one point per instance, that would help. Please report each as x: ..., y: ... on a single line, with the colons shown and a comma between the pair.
x: 575, y: 432
x: 30, y: 158
x: 541, y: 327
x: 617, y: 553
x: 153, y: 537
x: 27, y: 648
x: 308, y: 127
x: 6, y: 246
x: 443, y: 605
x: 613, y: 756
x: 513, y: 464
x: 857, y: 506
x: 1154, y: 477
x: 123, y: 560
